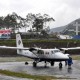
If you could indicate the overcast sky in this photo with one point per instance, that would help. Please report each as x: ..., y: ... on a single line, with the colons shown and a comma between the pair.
x: 63, y: 11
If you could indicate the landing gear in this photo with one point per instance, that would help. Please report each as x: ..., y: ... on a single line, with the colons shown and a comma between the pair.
x: 60, y: 65
x: 45, y: 64
x: 34, y: 64
x: 52, y: 63
x: 26, y: 63
x: 65, y: 63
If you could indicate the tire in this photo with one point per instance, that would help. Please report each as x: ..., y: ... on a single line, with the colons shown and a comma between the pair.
x: 26, y: 63
x: 60, y: 65
x: 34, y: 64
x: 52, y: 63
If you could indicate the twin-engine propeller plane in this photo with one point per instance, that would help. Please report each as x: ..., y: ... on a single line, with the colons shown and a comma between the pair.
x: 39, y: 54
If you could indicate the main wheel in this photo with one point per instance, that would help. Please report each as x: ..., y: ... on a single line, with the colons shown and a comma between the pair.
x: 34, y: 64
x: 26, y: 63
x: 52, y: 63
x: 60, y: 65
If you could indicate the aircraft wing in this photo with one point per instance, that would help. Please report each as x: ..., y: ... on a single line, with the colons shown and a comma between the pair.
x: 21, y: 48
x: 72, y: 48
x: 8, y: 47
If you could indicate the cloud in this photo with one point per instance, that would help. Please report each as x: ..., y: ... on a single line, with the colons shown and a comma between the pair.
x: 67, y: 12
x: 73, y: 3
x: 63, y: 11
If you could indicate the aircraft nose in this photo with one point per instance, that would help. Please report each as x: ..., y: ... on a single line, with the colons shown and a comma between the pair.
x: 61, y: 55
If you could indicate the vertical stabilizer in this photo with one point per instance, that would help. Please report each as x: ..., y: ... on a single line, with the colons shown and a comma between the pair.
x: 19, y: 41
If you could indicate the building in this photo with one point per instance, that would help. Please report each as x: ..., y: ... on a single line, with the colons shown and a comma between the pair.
x: 5, y: 34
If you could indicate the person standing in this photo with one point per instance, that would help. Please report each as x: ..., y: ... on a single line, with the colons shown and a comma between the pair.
x: 70, y: 62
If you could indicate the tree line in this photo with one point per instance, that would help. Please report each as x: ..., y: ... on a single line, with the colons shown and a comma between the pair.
x: 37, y: 22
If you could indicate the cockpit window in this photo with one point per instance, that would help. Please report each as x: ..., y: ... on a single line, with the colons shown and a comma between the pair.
x: 40, y: 52
x: 55, y: 51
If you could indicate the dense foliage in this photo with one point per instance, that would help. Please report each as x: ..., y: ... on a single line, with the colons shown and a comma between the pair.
x: 35, y: 21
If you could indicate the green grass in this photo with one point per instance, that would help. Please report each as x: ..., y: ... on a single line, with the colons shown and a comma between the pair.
x: 10, y: 41
x: 34, y: 77
x: 14, y: 59
x: 24, y: 75
x: 75, y: 57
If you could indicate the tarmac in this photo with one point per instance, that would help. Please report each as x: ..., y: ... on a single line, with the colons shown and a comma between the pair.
x: 73, y: 73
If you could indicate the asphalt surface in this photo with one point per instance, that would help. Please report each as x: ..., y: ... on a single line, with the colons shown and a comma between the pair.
x: 73, y: 73
x: 3, y: 77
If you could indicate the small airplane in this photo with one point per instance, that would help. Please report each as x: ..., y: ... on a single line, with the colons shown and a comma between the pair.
x: 39, y: 54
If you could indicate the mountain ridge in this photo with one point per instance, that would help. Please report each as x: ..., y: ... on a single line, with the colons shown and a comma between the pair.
x: 68, y: 29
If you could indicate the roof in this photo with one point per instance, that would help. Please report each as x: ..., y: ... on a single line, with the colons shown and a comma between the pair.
x: 5, y: 31
x: 76, y: 37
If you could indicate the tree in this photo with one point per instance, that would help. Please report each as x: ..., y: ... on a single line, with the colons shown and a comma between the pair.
x: 38, y: 21
x: 44, y: 33
x: 47, y: 19
x: 13, y: 21
x: 10, y: 21
x: 21, y: 22
x: 38, y: 24
x: 1, y: 22
x: 30, y: 19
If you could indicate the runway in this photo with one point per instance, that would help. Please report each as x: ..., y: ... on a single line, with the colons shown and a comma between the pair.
x: 41, y: 70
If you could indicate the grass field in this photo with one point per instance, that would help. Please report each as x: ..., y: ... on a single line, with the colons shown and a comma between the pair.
x: 14, y: 59
x: 24, y: 75
x: 75, y: 57
x: 32, y: 77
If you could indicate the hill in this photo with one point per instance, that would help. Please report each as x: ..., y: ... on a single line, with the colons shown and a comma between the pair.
x: 68, y: 29
x: 58, y: 29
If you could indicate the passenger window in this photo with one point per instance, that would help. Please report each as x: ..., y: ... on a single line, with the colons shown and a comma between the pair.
x: 47, y: 52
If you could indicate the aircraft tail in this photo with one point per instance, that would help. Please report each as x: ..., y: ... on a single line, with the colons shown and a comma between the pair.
x: 19, y: 43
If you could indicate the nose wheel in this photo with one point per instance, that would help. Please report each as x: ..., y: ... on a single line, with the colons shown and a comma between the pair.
x: 45, y: 64
x: 60, y: 65
x: 34, y: 64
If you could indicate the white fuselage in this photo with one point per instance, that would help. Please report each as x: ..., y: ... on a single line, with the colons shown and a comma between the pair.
x: 54, y: 54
